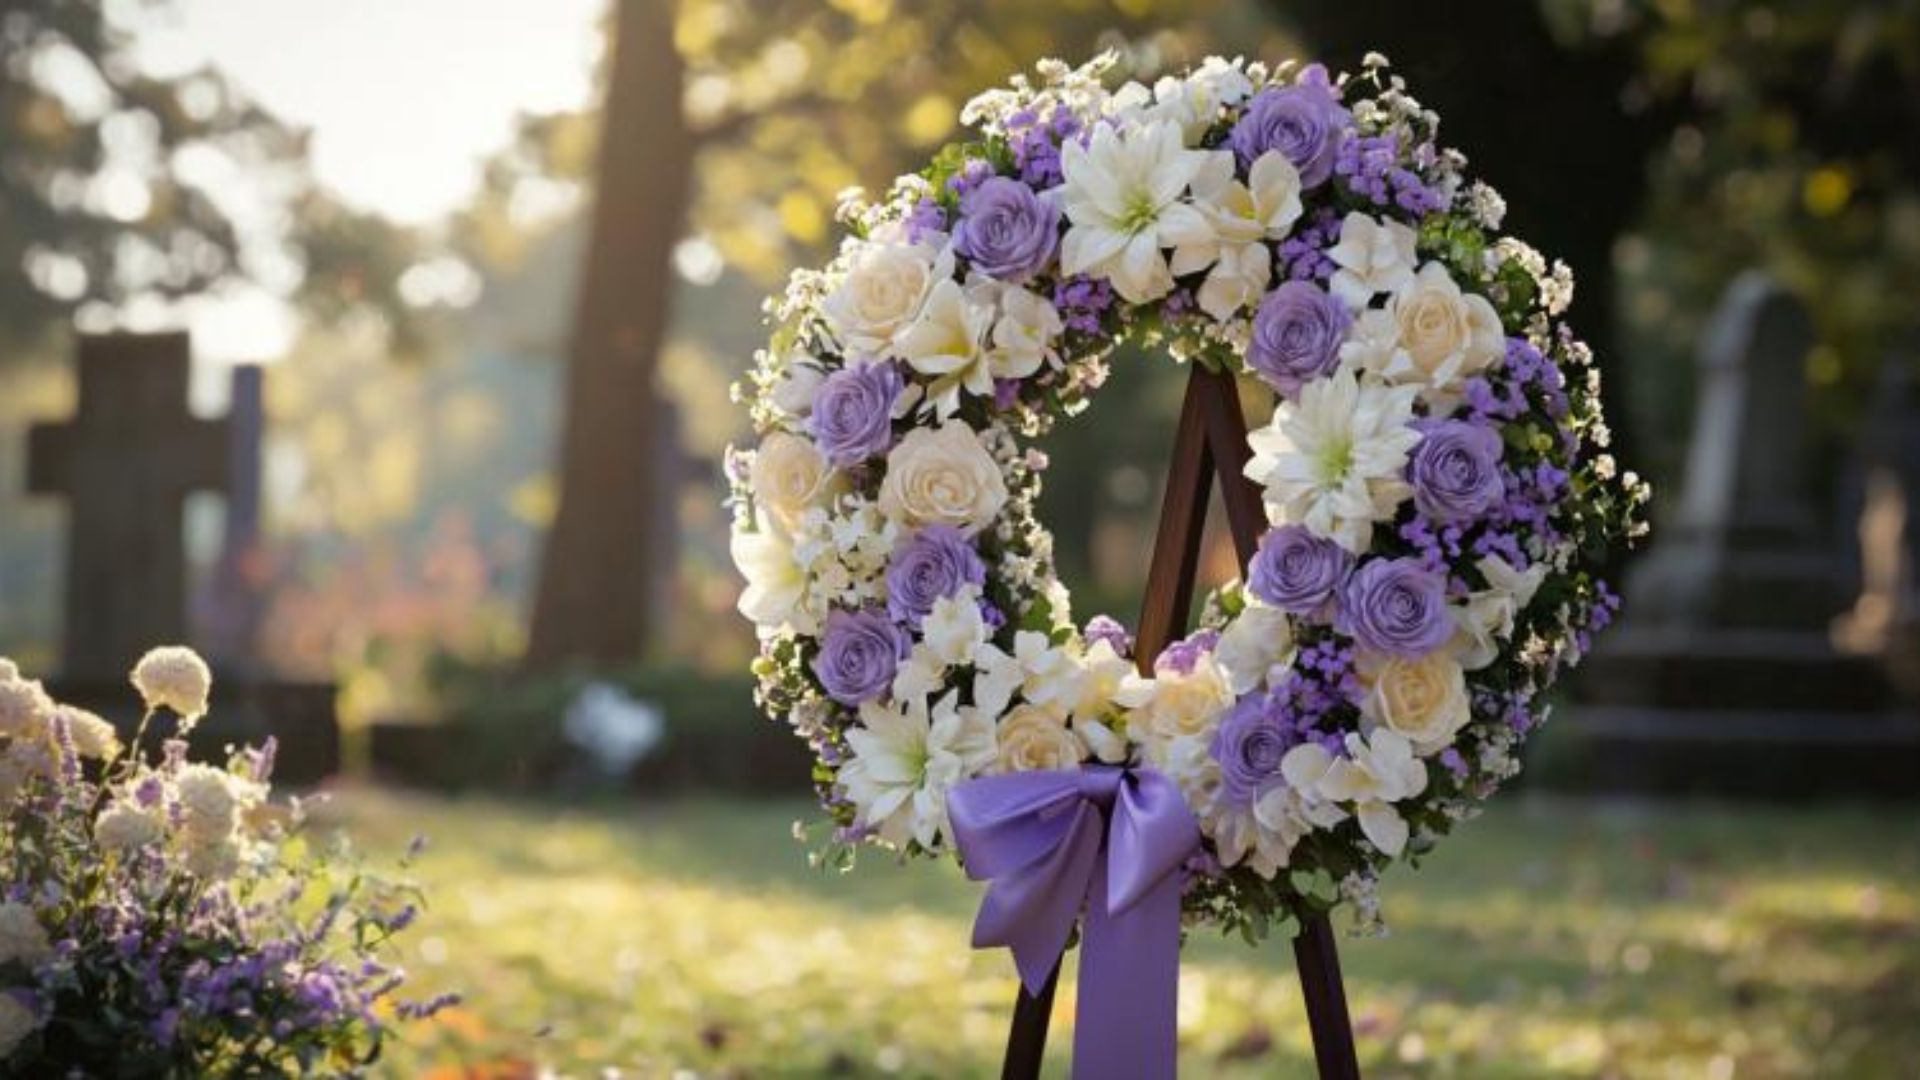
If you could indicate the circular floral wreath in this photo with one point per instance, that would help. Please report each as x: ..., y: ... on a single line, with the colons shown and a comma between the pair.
x: 1434, y: 474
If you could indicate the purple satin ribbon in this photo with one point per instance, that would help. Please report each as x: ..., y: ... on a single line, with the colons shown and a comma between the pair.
x: 1038, y: 838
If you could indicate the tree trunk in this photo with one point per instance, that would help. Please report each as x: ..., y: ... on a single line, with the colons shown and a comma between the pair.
x: 595, y: 598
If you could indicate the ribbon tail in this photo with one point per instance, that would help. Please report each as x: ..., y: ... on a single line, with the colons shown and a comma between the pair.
x: 1129, y: 985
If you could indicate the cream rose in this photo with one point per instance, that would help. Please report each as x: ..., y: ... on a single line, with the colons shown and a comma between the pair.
x: 885, y: 287
x: 1424, y: 700
x: 1445, y: 334
x: 789, y: 475
x: 943, y: 476
x: 1173, y: 704
x: 1034, y: 738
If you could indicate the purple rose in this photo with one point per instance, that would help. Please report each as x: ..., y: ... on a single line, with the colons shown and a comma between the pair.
x: 1006, y: 230
x: 1298, y: 572
x: 1395, y: 606
x: 852, y: 418
x: 1304, y: 122
x: 1455, y: 471
x: 1297, y: 332
x: 1248, y: 744
x: 933, y: 563
x: 859, y: 653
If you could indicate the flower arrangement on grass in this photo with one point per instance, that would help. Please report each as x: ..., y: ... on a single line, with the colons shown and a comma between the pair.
x: 1434, y: 472
x: 164, y: 918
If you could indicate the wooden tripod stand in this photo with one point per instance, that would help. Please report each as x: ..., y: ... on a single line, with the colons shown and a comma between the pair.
x: 1210, y: 441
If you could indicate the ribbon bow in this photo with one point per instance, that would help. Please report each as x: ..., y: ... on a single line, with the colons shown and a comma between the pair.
x: 1115, y: 841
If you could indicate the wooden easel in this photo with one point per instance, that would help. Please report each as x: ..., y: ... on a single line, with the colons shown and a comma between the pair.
x: 1211, y: 441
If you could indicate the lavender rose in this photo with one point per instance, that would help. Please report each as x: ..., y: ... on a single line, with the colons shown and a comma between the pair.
x: 852, y: 418
x: 1298, y: 572
x: 1455, y: 471
x: 1297, y: 332
x: 1397, y: 607
x: 1248, y: 744
x: 933, y: 563
x: 1006, y: 230
x: 859, y: 653
x: 1303, y: 121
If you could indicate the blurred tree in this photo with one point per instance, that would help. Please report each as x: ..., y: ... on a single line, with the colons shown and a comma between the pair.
x: 782, y: 104
x: 116, y: 186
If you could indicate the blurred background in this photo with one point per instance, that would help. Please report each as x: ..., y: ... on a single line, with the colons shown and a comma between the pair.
x: 432, y: 475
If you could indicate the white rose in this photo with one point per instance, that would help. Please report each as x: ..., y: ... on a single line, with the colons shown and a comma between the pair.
x: 943, y: 476
x: 1424, y: 700
x: 794, y: 393
x: 1374, y: 256
x: 1445, y: 335
x: 789, y: 475
x: 1034, y: 738
x: 885, y: 287
x: 1256, y: 642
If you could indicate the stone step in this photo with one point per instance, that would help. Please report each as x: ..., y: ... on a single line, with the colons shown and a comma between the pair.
x: 1764, y: 754
x: 1751, y: 670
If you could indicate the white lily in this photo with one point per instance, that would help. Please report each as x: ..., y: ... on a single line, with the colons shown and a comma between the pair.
x: 776, y: 582
x: 1378, y: 771
x: 1374, y: 256
x: 906, y: 758
x: 1121, y: 192
x: 1239, y: 217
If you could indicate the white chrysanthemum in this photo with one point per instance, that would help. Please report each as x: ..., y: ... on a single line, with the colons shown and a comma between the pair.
x: 1374, y: 256
x: 906, y: 758
x: 124, y: 826
x: 1378, y: 771
x: 22, y: 938
x: 174, y: 677
x: 1334, y: 460
x: 24, y: 708
x: 1121, y: 192
x: 92, y: 736
x: 1239, y: 219
x: 16, y: 1023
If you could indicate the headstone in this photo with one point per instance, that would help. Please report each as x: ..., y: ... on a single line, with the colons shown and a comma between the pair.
x: 126, y: 463
x: 1723, y: 677
x: 1884, y: 621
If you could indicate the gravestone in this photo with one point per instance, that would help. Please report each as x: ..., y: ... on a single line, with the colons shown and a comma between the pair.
x: 1884, y: 500
x: 228, y: 611
x: 125, y: 464
x: 1723, y: 676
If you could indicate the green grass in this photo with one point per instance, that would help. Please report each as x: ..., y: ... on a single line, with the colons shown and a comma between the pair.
x: 1548, y: 939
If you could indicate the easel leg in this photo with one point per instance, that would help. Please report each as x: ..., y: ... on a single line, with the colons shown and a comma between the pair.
x: 1315, y: 954
x: 1027, y: 1039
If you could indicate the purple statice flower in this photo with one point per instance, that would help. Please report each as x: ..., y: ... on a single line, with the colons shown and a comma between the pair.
x: 1298, y: 572
x: 1455, y: 764
x: 1006, y: 231
x: 1305, y: 122
x: 926, y: 220
x: 1297, y: 331
x: 969, y: 177
x: 1303, y: 254
x: 1455, y: 471
x: 852, y: 417
x: 1248, y: 745
x: 1083, y: 303
x: 1036, y: 145
x: 933, y: 563
x: 1395, y: 606
x: 1108, y: 629
x: 859, y: 653
x: 1369, y: 166
x: 1184, y: 655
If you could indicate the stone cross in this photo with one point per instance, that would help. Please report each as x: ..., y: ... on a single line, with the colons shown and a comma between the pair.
x: 126, y: 463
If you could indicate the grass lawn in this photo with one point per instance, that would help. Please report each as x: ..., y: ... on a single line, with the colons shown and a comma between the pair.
x: 1549, y: 939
